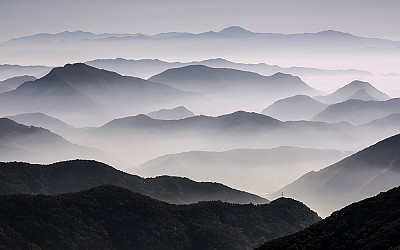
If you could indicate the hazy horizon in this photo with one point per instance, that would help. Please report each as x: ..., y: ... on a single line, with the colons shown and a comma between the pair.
x: 362, y: 18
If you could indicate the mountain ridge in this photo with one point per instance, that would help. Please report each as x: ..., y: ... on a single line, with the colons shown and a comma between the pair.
x: 361, y: 175
x: 78, y: 175
x: 109, y: 217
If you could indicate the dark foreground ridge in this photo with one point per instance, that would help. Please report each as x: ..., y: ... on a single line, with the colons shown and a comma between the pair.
x: 109, y: 217
x: 373, y: 223
x: 77, y: 175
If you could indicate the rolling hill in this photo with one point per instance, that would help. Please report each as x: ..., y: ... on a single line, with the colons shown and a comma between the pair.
x: 110, y: 217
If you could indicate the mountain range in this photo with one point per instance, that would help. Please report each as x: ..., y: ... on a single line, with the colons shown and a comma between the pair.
x: 77, y: 175
x: 14, y: 82
x: 362, y: 175
x: 28, y: 143
x: 308, y: 50
x: 233, y: 88
x: 154, y: 138
x: 204, y: 79
x: 329, y: 36
x: 266, y: 170
x: 81, y: 93
x: 358, y: 112
x: 369, y: 224
x: 146, y: 68
x: 109, y: 217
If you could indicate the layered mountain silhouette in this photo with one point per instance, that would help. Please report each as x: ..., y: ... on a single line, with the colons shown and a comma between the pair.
x: 9, y: 71
x: 266, y: 170
x: 28, y: 143
x: 171, y: 114
x: 341, y: 48
x: 384, y: 127
x: 77, y: 175
x: 355, y: 90
x: 42, y: 120
x: 330, y: 37
x: 146, y: 68
x: 358, y: 112
x: 364, y: 174
x: 79, y: 92
x: 233, y: 88
x: 369, y: 224
x: 204, y: 79
x: 14, y: 82
x: 299, y: 107
x: 110, y: 217
x: 240, y: 129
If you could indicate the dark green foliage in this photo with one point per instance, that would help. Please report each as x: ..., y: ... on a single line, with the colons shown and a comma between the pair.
x: 110, y: 217
x: 373, y: 223
x: 77, y: 175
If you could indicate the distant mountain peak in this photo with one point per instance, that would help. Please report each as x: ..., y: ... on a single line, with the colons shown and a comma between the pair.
x: 77, y: 71
x: 333, y: 33
x: 234, y: 30
x: 359, y: 83
x: 283, y: 75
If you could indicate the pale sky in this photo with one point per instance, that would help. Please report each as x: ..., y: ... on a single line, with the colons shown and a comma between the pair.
x: 371, y: 18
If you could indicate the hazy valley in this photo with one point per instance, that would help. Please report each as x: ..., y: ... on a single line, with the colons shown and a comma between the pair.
x: 200, y: 137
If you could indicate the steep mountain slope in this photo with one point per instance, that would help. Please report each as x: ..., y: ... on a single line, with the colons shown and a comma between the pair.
x: 109, y: 217
x: 354, y: 90
x: 266, y: 170
x: 22, y: 143
x: 77, y: 175
x: 364, y: 174
x: 82, y: 92
x: 14, y: 82
x: 359, y: 112
x: 299, y: 107
x: 171, y: 114
x: 373, y: 223
x: 41, y: 120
